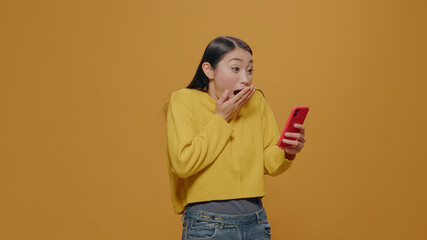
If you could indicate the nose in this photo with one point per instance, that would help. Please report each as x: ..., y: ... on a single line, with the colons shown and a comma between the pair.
x: 246, y: 79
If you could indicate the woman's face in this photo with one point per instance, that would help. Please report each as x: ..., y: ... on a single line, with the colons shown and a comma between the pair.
x: 233, y: 72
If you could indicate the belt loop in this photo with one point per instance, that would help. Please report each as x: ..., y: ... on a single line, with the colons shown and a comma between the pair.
x: 259, y: 219
x: 221, y: 225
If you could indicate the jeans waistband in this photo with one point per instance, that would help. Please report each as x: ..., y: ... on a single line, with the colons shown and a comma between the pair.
x: 257, y: 216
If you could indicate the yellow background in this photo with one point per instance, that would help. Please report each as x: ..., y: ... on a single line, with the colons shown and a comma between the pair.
x: 82, y: 130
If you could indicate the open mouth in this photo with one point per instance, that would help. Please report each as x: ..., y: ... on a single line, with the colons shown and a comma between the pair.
x: 237, y: 91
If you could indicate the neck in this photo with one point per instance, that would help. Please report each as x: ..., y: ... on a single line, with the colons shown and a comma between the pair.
x: 211, y: 91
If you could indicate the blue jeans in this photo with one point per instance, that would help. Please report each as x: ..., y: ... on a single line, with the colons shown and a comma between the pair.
x: 205, y: 225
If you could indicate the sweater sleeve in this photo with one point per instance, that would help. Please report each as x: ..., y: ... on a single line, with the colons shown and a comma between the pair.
x: 191, y: 151
x: 275, y: 162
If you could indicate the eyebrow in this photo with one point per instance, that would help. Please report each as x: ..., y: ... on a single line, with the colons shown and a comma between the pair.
x: 238, y: 59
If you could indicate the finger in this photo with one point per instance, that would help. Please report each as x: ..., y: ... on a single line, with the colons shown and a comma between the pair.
x: 238, y: 96
x: 292, y: 150
x: 293, y: 135
x: 247, y: 95
x: 244, y: 92
x: 252, y: 91
x: 223, y: 97
x: 291, y: 142
x: 300, y: 127
x: 295, y: 144
x: 298, y: 136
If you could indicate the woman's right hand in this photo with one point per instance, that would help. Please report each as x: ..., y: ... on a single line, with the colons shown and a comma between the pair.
x: 227, y: 107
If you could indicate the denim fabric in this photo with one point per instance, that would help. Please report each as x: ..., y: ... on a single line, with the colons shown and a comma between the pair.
x: 199, y: 225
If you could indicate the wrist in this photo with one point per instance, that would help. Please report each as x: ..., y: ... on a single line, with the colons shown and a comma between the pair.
x: 289, y: 156
x: 223, y: 117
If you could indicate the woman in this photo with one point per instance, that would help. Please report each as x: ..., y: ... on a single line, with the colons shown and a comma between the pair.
x: 222, y: 138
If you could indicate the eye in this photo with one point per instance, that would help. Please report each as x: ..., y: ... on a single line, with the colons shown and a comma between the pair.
x: 250, y: 71
x: 235, y: 69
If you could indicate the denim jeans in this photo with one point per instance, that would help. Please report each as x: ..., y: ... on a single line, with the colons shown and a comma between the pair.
x: 205, y: 225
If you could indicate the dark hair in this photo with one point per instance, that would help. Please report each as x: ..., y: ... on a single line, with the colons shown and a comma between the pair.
x: 214, y: 53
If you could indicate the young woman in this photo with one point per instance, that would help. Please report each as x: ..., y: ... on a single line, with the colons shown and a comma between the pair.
x: 221, y: 140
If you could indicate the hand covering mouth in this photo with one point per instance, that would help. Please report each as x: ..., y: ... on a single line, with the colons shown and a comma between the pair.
x: 237, y: 91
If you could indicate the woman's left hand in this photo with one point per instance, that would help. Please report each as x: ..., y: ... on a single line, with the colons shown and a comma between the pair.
x: 297, y: 144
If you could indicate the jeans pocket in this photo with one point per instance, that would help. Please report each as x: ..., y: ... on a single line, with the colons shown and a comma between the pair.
x: 201, y: 229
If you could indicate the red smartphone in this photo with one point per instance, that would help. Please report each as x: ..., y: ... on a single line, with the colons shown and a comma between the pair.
x: 298, y: 115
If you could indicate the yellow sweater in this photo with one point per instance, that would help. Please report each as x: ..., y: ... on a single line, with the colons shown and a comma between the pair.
x: 212, y: 159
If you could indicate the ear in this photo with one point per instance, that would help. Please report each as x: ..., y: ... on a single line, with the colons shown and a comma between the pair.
x: 208, y: 70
